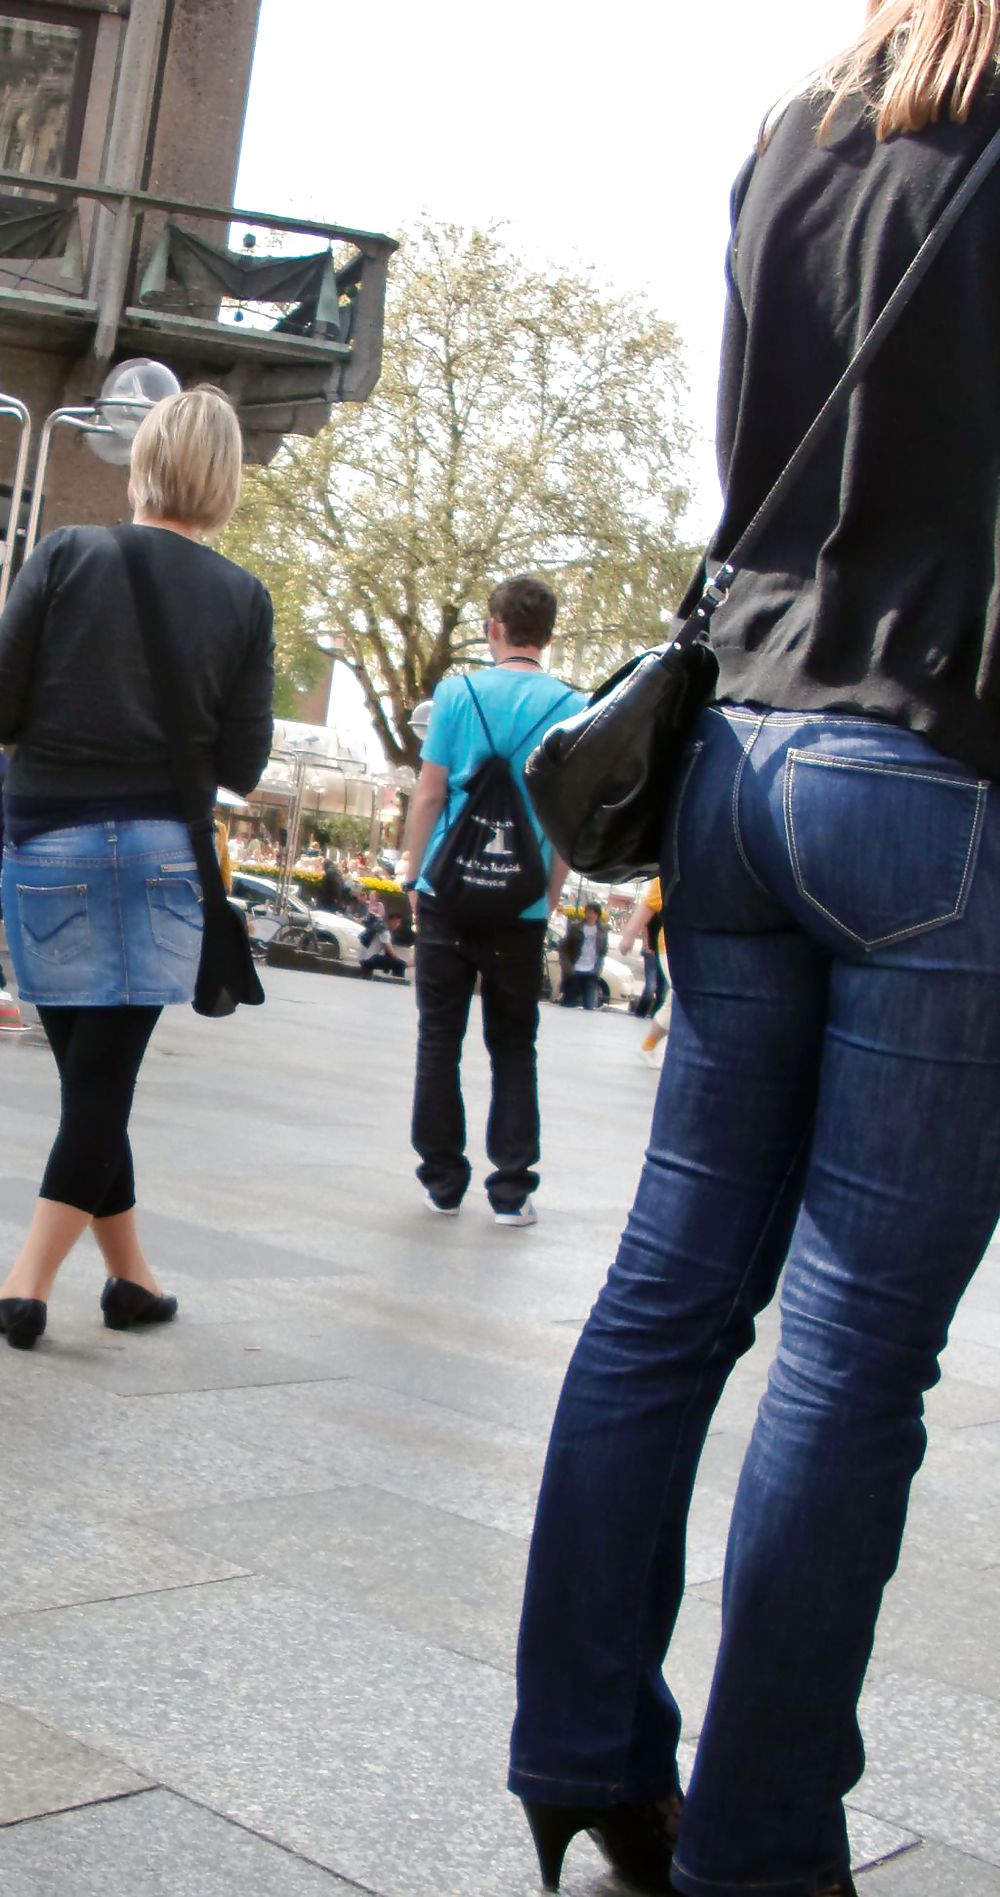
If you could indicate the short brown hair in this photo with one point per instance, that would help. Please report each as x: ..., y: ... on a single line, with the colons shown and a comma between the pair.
x: 526, y: 609
x: 187, y: 459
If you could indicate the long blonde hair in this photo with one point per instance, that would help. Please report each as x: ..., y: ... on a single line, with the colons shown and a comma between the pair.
x: 915, y: 61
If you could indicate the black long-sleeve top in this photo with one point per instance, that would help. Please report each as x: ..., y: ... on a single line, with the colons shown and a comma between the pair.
x: 75, y: 693
x: 878, y: 588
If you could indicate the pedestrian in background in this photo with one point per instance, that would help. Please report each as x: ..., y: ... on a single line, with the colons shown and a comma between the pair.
x: 100, y: 889
x: 830, y: 1102
x: 646, y: 924
x: 581, y: 957
x: 518, y: 699
x: 332, y: 887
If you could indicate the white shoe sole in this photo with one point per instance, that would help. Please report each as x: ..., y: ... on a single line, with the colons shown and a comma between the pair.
x: 442, y: 1211
x: 522, y: 1218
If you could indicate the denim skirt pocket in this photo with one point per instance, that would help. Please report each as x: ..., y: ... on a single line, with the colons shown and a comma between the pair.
x: 175, y: 916
x: 882, y: 851
x: 670, y: 865
x: 54, y: 922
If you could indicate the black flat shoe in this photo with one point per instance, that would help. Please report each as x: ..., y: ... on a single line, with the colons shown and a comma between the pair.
x: 125, y: 1304
x: 637, y: 1840
x: 22, y: 1321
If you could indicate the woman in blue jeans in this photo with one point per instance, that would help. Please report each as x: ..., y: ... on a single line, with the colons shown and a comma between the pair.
x: 830, y: 1103
x: 101, y: 896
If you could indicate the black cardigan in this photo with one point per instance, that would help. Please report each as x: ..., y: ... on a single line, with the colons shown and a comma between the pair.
x: 878, y: 588
x: 75, y: 693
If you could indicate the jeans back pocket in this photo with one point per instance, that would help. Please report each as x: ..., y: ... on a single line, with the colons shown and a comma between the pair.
x: 882, y: 851
x: 55, y: 923
x: 175, y: 915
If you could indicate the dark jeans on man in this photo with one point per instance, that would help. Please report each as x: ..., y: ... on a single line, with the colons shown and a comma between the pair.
x: 509, y: 961
x: 383, y: 964
x: 579, y: 991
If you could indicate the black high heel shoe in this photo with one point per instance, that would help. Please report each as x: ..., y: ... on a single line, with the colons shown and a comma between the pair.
x: 125, y: 1304
x: 22, y: 1321
x: 637, y: 1840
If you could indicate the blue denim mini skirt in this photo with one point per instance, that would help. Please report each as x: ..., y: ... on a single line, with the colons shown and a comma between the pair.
x: 105, y: 915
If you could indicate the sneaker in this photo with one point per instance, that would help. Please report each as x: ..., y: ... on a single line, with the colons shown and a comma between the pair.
x: 446, y: 1211
x: 525, y: 1215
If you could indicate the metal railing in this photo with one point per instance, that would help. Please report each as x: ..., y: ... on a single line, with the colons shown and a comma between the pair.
x: 125, y: 228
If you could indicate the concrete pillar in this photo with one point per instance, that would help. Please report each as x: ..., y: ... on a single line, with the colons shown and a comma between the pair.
x: 126, y: 152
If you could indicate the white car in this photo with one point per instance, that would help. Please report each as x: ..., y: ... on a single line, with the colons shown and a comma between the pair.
x: 318, y: 932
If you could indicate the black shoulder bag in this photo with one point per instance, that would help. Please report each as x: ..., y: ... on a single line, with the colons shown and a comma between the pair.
x: 599, y: 780
x: 226, y: 973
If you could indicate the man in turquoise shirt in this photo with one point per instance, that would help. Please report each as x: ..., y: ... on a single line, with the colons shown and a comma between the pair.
x: 516, y: 695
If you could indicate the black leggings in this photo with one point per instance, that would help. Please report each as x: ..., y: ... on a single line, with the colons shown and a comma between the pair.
x: 98, y: 1052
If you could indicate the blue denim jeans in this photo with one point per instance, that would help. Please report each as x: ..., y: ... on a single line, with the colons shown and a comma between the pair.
x: 579, y: 991
x: 830, y: 1105
x: 104, y: 915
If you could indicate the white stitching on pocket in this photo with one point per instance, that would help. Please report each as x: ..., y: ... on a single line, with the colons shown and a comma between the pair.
x: 69, y: 937
x: 808, y: 758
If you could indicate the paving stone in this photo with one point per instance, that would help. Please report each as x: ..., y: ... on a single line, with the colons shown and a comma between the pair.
x: 394, y: 1358
x: 932, y: 1872
x: 942, y: 1621
x: 371, y: 1753
x: 157, y: 1844
x: 65, y: 1438
x: 42, y: 1770
x: 933, y: 1761
x: 451, y: 1581
x: 873, y: 1841
x: 359, y: 1433
x: 57, y: 1554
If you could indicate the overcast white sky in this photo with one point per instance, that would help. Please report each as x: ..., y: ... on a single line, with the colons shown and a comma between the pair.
x: 606, y: 135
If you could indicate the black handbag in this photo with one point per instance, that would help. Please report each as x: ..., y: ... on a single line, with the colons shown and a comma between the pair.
x: 599, y: 780
x: 227, y: 977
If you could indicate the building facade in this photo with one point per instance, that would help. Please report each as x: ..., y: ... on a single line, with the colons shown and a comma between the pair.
x: 120, y: 131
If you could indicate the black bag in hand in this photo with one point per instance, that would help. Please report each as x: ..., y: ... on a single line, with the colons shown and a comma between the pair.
x: 227, y: 976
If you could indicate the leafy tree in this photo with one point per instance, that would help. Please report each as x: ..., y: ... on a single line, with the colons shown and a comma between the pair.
x: 524, y: 422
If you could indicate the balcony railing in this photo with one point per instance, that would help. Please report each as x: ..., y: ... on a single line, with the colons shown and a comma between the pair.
x: 218, y: 282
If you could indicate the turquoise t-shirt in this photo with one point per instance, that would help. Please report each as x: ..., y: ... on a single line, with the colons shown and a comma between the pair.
x: 518, y: 706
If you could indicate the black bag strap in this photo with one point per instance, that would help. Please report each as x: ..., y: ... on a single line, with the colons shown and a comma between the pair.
x: 529, y: 734
x: 473, y: 694
x: 718, y: 584
x: 186, y: 768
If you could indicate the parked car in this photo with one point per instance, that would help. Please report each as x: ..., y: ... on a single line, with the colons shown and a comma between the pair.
x: 301, y: 937
x: 320, y: 942
x: 255, y: 895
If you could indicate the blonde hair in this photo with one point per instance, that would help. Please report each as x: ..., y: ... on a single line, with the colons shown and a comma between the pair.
x: 915, y: 61
x: 187, y: 459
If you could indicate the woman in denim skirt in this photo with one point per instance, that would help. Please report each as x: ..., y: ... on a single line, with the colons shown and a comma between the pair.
x: 101, y: 896
x: 830, y: 1102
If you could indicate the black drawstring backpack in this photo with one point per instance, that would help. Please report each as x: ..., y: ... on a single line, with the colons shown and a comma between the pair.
x: 488, y: 867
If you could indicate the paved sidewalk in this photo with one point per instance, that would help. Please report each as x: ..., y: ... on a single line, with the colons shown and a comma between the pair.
x: 261, y: 1571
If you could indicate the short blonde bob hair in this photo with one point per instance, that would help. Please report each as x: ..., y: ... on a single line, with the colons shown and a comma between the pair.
x: 187, y: 459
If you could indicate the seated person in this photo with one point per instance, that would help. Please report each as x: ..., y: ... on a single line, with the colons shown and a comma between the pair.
x: 382, y: 954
